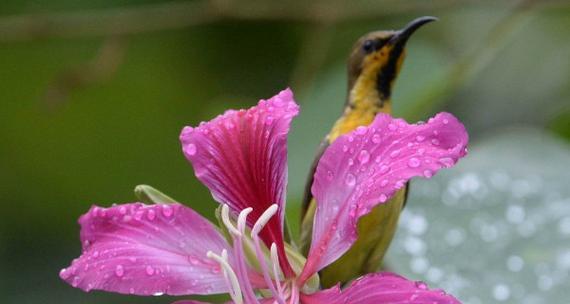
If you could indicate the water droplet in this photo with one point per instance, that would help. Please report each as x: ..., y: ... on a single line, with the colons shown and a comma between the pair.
x: 361, y: 130
x: 151, y: 215
x: 149, y: 270
x: 193, y: 260
x: 392, y: 127
x: 383, y: 198
x: 350, y: 162
x: 350, y: 180
x: 435, y: 142
x: 399, y: 184
x: 421, y: 285
x: 394, y: 153
x: 123, y: 210
x: 376, y: 138
x: 445, y: 121
x: 330, y: 175
x: 131, y: 290
x: 428, y: 173
x: 447, y: 161
x: 378, y: 159
x: 384, y: 183
x: 344, y: 148
x: 421, y: 151
x: 64, y: 274
x: 350, y: 138
x: 119, y: 271
x: 158, y: 293
x: 364, y: 157
x: 75, y: 281
x: 420, y: 138
x: 414, y: 162
x: 229, y: 125
x: 167, y: 210
x: 215, y: 269
x: 269, y: 120
x: 191, y: 149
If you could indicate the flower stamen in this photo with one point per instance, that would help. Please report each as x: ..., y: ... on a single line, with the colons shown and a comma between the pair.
x: 229, y: 275
x: 261, y: 222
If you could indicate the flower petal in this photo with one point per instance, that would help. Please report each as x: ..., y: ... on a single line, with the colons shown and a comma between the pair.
x: 147, y: 249
x: 366, y: 167
x: 241, y: 156
x: 381, y: 288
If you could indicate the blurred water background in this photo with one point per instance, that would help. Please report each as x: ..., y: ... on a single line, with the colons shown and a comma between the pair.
x: 93, y: 95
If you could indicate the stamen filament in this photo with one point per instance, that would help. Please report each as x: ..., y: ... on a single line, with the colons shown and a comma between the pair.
x: 229, y: 275
x: 276, y: 271
x: 261, y: 222
x: 226, y: 220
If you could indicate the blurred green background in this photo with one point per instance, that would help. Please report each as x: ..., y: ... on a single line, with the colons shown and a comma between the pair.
x: 93, y: 95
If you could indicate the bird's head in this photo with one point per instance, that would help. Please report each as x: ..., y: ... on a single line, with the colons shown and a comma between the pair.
x: 376, y: 58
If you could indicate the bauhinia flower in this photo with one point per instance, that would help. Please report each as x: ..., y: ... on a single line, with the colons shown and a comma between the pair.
x: 241, y: 156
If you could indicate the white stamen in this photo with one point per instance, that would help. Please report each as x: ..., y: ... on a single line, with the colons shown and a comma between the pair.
x: 276, y: 269
x: 263, y: 219
x: 261, y: 222
x: 229, y: 274
x: 226, y: 220
x: 242, y: 218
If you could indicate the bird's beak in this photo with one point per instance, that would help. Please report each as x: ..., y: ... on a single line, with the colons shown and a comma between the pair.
x: 401, y: 37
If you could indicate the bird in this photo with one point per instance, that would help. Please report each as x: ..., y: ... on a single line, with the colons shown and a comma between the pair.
x: 373, y: 67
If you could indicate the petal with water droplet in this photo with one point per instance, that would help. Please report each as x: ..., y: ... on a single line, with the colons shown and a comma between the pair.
x: 128, y: 256
x: 245, y: 165
x: 381, y: 288
x: 395, y: 162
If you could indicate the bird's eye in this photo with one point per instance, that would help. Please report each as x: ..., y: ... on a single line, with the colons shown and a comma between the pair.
x: 368, y: 46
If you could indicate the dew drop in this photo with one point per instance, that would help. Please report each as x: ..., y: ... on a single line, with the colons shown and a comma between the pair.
x: 361, y: 130
x: 131, y: 290
x: 435, y: 142
x: 269, y: 120
x: 414, y: 162
x: 394, y: 153
x: 191, y: 149
x: 428, y: 173
x: 167, y: 210
x: 350, y: 138
x: 119, y: 271
x: 350, y: 180
x: 376, y: 138
x: 344, y: 148
x: 384, y: 169
x: 421, y: 285
x: 350, y: 162
x: 392, y: 127
x: 384, y: 183
x: 383, y: 198
x: 445, y: 121
x: 150, y: 215
x: 420, y: 138
x: 364, y: 157
x: 158, y: 293
x: 123, y: 210
x: 330, y: 175
x: 149, y: 270
x: 193, y: 260
x: 446, y: 161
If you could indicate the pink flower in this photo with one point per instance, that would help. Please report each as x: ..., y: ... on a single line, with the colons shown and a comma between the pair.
x: 241, y: 156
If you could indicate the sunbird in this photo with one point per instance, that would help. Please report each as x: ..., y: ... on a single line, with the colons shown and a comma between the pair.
x: 373, y: 66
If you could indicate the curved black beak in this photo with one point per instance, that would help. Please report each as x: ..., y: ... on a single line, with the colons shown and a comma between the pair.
x: 401, y: 37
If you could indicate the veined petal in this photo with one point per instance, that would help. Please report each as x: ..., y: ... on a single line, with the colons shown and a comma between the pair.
x: 379, y: 288
x: 241, y: 156
x: 147, y: 249
x: 366, y: 167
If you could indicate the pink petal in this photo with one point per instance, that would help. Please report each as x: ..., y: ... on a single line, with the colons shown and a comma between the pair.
x: 241, y: 156
x: 381, y: 288
x: 366, y: 167
x: 147, y: 249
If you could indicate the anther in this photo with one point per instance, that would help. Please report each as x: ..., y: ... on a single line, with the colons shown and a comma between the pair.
x: 226, y: 220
